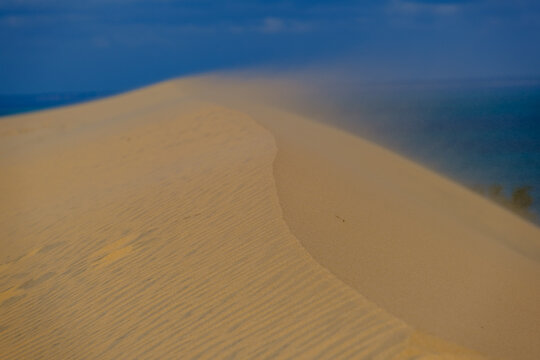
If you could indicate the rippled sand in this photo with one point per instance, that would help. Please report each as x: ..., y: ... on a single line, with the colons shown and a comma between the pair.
x: 169, y: 223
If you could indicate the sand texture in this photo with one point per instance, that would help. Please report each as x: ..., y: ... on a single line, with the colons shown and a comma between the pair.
x: 187, y: 221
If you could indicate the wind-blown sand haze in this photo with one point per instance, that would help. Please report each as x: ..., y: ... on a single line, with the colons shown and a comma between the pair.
x: 192, y: 219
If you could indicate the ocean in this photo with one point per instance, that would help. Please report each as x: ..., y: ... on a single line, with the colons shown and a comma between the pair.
x: 478, y: 133
x: 22, y: 103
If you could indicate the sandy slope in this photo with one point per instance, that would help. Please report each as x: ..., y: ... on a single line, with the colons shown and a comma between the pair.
x: 148, y: 225
x: 431, y: 252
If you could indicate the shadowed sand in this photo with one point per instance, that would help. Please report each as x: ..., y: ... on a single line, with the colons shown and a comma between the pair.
x: 149, y: 225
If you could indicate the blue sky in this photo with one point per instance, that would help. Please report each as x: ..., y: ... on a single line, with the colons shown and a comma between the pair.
x: 72, y: 45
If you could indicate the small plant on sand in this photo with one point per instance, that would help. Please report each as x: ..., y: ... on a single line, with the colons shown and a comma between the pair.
x: 521, y: 198
x: 495, y: 191
x: 519, y: 201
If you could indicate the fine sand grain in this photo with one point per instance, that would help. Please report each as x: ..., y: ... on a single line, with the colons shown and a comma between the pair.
x: 165, y: 223
x: 433, y: 253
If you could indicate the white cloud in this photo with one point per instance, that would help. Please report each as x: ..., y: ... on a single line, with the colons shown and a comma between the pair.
x: 12, y: 21
x: 31, y: 20
x: 272, y: 25
x: 415, y: 8
x: 100, y: 42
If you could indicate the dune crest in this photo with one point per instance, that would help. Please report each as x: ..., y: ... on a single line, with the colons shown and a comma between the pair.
x: 429, y: 251
x: 159, y: 224
x: 148, y: 226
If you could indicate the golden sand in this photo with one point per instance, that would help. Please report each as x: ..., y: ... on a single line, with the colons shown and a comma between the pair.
x: 169, y: 222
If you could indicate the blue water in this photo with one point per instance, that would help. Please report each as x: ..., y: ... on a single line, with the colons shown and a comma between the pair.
x: 22, y: 103
x: 476, y: 133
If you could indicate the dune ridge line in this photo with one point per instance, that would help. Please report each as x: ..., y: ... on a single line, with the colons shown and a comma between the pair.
x: 147, y: 225
x: 430, y: 251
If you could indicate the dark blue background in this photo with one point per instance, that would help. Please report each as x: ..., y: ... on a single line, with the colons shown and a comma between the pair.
x: 96, y: 45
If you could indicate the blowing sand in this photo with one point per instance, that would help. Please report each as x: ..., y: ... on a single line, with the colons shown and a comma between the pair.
x: 169, y: 223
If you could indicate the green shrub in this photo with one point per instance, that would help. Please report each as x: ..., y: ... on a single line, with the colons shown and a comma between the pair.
x: 521, y: 198
x: 495, y: 191
x: 520, y: 201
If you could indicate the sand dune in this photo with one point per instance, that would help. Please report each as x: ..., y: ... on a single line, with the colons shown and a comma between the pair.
x: 168, y: 223
x: 431, y: 252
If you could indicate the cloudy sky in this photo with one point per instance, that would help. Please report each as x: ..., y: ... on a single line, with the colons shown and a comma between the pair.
x: 76, y: 45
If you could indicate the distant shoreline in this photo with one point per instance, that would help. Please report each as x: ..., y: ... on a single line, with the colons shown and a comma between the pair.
x: 25, y: 103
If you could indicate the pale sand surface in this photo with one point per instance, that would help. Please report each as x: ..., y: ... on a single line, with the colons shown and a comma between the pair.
x: 433, y: 253
x: 165, y: 223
